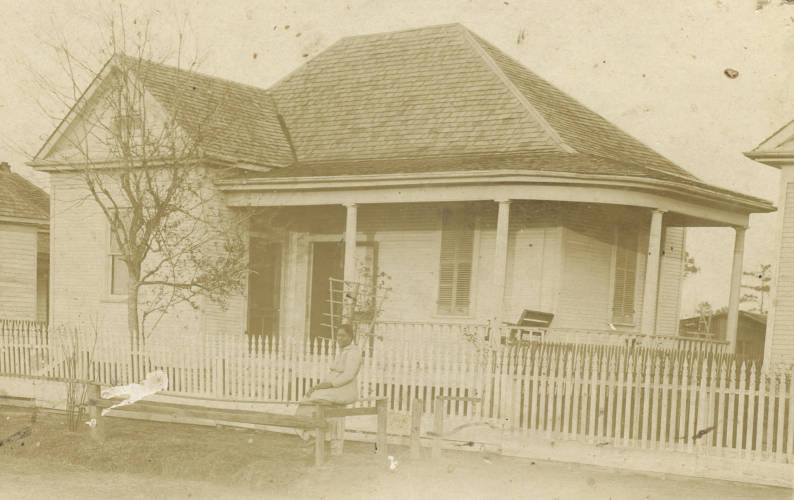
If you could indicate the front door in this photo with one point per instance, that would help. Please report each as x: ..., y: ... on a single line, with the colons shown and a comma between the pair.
x: 328, y: 261
x: 264, y: 288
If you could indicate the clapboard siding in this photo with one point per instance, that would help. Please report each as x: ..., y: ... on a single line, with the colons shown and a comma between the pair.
x: 670, y: 276
x: 78, y: 273
x: 17, y: 271
x: 585, y: 286
x: 588, y: 259
x: 783, y: 340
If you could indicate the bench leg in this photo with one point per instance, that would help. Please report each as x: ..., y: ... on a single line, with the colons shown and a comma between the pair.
x: 337, y: 435
x: 97, y: 431
x: 319, y: 442
x: 319, y: 447
x: 382, y: 423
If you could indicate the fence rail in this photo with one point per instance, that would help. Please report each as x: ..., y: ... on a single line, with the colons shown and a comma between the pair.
x: 630, y: 396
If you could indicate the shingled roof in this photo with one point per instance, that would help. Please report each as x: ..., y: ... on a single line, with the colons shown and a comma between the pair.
x: 20, y: 198
x: 230, y: 120
x: 432, y: 99
x: 442, y: 91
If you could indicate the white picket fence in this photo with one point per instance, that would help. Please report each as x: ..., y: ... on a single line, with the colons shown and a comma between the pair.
x: 635, y: 397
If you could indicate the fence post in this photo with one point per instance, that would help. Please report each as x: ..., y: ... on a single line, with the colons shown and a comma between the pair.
x: 438, y: 426
x: 383, y: 415
x: 416, y: 428
x: 93, y: 395
x: 704, y: 402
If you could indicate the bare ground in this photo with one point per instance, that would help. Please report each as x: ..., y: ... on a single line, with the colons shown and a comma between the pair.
x: 155, y: 460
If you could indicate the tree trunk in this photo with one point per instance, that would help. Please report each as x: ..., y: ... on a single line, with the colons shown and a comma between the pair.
x: 133, y: 321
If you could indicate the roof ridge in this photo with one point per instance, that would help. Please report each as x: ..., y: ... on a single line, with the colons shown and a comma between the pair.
x: 407, y: 30
x: 494, y: 67
x: 776, y: 132
x: 198, y: 73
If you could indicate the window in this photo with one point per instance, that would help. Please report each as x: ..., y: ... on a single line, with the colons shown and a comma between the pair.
x: 455, y: 271
x: 119, y: 277
x: 625, y: 276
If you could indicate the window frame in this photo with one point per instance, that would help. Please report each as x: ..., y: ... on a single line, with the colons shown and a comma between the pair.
x: 112, y: 257
x: 469, y: 215
x: 623, y: 321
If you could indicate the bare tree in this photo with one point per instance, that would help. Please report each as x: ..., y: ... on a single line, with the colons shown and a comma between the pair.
x: 759, y: 287
x: 142, y: 162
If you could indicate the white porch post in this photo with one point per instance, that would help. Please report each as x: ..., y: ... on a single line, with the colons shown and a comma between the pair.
x: 500, y: 268
x: 736, y: 283
x: 652, y: 274
x: 350, y: 274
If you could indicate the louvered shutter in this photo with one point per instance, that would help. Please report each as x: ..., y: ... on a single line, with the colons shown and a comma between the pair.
x: 625, y: 277
x: 455, y: 272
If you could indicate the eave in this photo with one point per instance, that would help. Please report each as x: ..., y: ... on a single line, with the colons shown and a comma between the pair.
x: 694, y: 201
x: 772, y: 158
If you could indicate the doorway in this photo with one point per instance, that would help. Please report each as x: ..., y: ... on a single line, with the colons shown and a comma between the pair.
x: 264, y: 288
x: 328, y: 261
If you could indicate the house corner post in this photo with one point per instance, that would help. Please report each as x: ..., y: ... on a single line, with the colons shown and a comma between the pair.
x: 652, y: 264
x: 736, y: 284
x: 500, y: 268
x: 350, y: 272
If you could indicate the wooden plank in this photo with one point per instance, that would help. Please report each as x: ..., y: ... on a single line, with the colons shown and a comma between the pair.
x: 751, y: 412
x: 416, y: 429
x: 732, y: 391
x: 790, y: 423
x: 760, y: 414
x: 332, y: 412
x: 438, y: 427
x: 646, y: 400
x: 780, y: 385
x: 228, y: 415
x: 741, y: 429
x: 319, y: 443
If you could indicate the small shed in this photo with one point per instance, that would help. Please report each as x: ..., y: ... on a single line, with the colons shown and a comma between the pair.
x: 750, y: 334
x: 24, y: 248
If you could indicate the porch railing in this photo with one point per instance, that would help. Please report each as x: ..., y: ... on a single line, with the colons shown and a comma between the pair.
x: 395, y: 332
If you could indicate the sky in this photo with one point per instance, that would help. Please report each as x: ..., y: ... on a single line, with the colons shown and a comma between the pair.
x: 655, y: 69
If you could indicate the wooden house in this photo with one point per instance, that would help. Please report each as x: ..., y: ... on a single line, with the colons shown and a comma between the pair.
x: 778, y: 151
x: 429, y: 155
x: 24, y: 248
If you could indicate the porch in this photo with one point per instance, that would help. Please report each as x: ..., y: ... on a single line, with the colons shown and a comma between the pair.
x: 466, y: 266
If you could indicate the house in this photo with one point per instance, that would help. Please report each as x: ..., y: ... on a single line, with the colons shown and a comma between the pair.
x: 433, y: 157
x: 24, y: 248
x: 778, y: 151
x: 749, y: 336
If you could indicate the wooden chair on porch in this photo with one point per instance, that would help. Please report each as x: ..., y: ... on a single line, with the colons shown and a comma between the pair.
x: 531, y: 326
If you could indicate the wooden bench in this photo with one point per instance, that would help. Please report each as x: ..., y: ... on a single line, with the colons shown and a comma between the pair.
x: 317, y: 421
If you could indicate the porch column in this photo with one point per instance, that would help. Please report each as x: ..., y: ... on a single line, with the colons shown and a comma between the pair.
x: 736, y: 283
x: 652, y: 274
x: 350, y: 274
x: 500, y: 266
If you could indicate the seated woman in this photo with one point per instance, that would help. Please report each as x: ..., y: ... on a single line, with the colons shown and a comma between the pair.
x: 340, y: 386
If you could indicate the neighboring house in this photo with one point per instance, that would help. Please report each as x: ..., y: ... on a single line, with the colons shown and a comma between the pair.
x: 778, y: 151
x: 432, y: 156
x: 749, y: 337
x: 24, y: 248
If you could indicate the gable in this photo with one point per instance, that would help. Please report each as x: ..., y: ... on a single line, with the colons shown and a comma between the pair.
x: 224, y: 120
x: 781, y: 141
x: 89, y: 135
